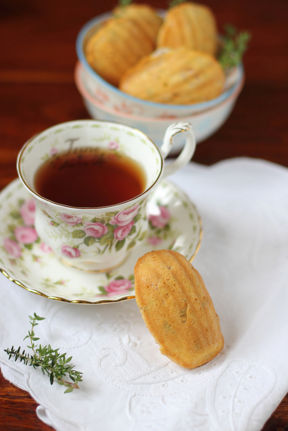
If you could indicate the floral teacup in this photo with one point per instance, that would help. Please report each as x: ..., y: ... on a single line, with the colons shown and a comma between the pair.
x: 97, y: 239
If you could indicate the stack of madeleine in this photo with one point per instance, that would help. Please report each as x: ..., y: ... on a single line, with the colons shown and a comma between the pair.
x: 170, y: 60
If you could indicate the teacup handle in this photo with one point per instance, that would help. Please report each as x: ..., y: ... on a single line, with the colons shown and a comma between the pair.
x: 187, y: 151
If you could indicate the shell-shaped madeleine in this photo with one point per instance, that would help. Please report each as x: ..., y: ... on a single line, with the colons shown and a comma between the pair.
x: 177, y: 308
x: 116, y: 46
x: 189, y: 24
x: 145, y: 17
x: 176, y: 76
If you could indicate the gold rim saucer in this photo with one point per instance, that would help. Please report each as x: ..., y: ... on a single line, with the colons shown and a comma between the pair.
x: 32, y: 268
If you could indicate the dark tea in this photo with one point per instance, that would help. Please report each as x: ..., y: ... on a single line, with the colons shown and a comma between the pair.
x: 90, y: 177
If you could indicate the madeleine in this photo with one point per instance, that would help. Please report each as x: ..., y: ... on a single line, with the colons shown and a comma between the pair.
x: 176, y: 76
x: 119, y: 43
x: 177, y: 308
x: 145, y: 17
x: 189, y: 24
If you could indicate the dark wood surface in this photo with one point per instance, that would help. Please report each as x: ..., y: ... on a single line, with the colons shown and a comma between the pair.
x: 37, y: 91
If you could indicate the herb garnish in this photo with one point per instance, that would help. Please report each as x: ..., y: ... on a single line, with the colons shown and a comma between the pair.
x: 173, y: 3
x: 234, y: 44
x: 55, y: 365
x: 124, y: 2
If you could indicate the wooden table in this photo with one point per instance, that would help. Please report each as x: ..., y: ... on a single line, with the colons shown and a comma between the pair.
x: 37, y: 91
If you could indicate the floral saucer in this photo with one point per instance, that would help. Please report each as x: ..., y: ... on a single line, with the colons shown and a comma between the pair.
x: 174, y: 224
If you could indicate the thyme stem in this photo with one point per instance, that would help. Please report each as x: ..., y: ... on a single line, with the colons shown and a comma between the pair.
x: 234, y: 44
x: 57, y: 366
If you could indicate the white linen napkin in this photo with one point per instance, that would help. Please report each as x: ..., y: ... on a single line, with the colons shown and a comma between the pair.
x: 128, y: 384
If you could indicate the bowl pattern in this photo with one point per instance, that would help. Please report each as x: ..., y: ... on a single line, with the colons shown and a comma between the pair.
x: 205, y: 123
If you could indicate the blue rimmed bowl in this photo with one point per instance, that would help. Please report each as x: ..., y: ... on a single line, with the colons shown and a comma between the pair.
x: 114, y: 100
x: 205, y: 123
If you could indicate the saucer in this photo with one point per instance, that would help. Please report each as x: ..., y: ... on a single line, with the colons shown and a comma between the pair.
x: 174, y: 224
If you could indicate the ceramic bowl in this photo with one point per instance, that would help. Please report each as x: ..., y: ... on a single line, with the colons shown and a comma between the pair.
x: 205, y: 123
x: 111, y: 98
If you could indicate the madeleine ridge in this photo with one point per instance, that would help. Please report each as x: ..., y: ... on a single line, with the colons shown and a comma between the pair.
x: 145, y: 17
x: 177, y: 308
x: 189, y: 24
x: 122, y: 41
x: 176, y: 76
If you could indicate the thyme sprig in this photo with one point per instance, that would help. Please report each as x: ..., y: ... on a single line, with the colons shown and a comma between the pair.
x: 57, y: 366
x: 124, y: 2
x: 233, y: 46
x: 173, y: 3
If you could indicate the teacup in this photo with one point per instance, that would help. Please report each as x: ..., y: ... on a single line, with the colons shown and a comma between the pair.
x: 98, y: 239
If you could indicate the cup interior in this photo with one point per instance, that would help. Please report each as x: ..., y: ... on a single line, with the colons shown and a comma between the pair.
x: 92, y: 134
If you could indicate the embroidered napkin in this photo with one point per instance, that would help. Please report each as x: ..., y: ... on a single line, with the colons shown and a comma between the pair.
x: 128, y: 384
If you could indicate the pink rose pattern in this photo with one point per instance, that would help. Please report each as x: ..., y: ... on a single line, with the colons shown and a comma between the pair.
x: 53, y: 151
x: 70, y: 252
x: 117, y: 229
x: 162, y: 219
x: 27, y: 212
x: 122, y: 222
x: 125, y: 217
x: 154, y: 240
x: 118, y: 287
x: 121, y: 225
x: 97, y: 230
x: 71, y: 219
x: 113, y: 145
x: 25, y: 234
x: 45, y: 248
x: 12, y: 247
x: 122, y: 231
x: 157, y: 224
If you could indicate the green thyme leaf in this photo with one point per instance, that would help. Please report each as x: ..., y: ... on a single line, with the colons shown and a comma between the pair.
x: 53, y: 364
x: 176, y: 2
x: 234, y: 44
x: 124, y: 2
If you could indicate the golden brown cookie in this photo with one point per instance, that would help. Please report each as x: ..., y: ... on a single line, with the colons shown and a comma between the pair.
x: 177, y: 308
x: 175, y: 76
x: 145, y: 17
x: 120, y: 42
x: 189, y: 24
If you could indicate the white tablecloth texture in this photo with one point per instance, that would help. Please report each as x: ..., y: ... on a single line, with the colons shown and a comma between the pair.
x: 127, y: 383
